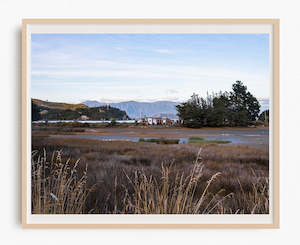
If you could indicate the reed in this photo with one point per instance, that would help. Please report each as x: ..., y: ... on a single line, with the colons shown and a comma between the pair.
x: 62, y: 187
x: 57, y: 188
x: 172, y: 196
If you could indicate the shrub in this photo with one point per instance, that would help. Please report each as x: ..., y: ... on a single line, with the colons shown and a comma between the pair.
x: 199, y: 140
x: 160, y: 140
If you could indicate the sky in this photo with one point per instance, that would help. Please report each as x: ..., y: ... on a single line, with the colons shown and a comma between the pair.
x: 146, y: 67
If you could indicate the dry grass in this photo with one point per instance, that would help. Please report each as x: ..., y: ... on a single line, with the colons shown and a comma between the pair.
x: 57, y: 105
x: 171, y: 196
x: 141, y: 178
x: 56, y: 187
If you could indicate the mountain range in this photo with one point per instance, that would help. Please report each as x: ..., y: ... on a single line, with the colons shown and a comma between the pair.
x: 136, y: 109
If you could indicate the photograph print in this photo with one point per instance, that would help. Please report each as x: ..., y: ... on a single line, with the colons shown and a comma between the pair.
x: 150, y: 123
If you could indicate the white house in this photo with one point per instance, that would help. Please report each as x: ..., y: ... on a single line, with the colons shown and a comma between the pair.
x: 149, y: 120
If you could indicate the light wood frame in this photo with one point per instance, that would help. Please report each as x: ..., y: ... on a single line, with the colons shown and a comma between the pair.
x: 274, y: 22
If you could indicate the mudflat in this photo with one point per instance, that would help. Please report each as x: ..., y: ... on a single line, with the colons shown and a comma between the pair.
x: 237, y: 136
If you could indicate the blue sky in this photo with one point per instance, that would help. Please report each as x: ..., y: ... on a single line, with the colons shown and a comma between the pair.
x: 146, y: 67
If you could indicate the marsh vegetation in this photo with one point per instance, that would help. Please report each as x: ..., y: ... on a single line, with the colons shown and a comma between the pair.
x: 92, y: 176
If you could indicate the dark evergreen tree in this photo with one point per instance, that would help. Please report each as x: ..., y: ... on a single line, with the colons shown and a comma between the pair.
x: 237, y: 108
x: 264, y: 116
x: 35, y: 112
x: 244, y: 105
x: 221, y: 111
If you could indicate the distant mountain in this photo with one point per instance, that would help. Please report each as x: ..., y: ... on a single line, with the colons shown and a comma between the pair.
x: 45, y: 110
x: 93, y: 103
x: 136, y: 109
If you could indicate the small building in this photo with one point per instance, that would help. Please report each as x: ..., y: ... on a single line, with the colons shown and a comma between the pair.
x: 155, y: 121
x: 158, y: 121
x: 84, y: 118
x: 149, y: 121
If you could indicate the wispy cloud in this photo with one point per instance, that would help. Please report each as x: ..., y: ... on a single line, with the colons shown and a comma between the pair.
x: 140, y: 67
x: 103, y: 70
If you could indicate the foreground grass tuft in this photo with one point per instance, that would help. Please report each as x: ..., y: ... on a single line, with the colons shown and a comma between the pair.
x: 56, y: 186
x: 173, y: 195
x: 60, y: 187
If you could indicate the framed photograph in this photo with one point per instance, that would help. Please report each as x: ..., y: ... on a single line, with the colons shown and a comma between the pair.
x: 150, y: 123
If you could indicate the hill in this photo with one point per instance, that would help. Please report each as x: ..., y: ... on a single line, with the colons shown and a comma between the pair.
x: 57, y: 105
x: 136, y: 109
x: 45, y: 110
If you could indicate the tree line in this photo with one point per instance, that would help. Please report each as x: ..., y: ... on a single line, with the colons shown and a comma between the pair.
x: 235, y: 108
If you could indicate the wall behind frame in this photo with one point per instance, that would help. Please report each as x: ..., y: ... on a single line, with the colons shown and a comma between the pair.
x: 11, y: 14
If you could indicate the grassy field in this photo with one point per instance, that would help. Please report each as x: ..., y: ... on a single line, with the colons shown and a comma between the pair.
x: 91, y: 176
x: 199, y: 140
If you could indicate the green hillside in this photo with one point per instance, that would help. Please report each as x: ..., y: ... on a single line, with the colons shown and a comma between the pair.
x: 44, y: 110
